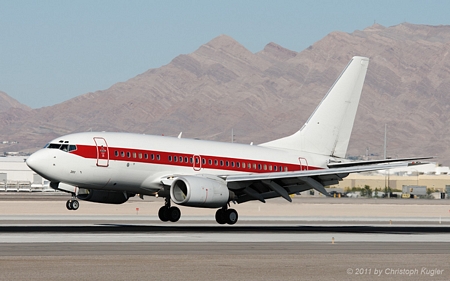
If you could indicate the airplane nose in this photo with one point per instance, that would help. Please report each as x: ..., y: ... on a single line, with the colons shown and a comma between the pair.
x: 45, y: 162
x: 39, y: 162
x: 31, y: 161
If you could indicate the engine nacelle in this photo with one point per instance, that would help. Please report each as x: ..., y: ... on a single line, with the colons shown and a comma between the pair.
x: 103, y: 196
x: 200, y: 191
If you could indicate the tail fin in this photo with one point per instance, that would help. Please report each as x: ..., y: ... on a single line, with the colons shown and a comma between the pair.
x: 328, y: 129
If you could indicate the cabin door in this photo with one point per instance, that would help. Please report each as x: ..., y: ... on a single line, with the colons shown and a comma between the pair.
x: 102, y: 152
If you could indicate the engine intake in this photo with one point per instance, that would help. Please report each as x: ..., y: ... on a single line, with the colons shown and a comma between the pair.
x: 102, y: 196
x: 200, y: 191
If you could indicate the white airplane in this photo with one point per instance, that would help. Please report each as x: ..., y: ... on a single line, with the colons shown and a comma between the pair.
x: 112, y: 167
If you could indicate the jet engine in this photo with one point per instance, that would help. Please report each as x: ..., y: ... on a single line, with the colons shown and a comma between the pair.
x: 103, y: 196
x: 200, y: 191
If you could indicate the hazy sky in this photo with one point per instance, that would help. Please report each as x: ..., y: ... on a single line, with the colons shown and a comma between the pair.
x: 51, y: 51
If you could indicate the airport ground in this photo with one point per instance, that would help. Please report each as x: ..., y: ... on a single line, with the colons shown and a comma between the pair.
x: 308, y: 239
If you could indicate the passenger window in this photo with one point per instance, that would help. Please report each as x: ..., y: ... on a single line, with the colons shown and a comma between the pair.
x: 243, y: 165
x: 128, y: 154
x: 116, y: 153
x: 170, y: 158
x: 185, y: 159
x: 181, y: 159
x: 145, y: 155
x: 232, y: 164
x: 221, y: 162
x: 216, y: 162
x: 175, y: 159
x: 152, y: 156
x: 237, y: 164
x: 122, y: 154
x: 158, y: 157
x: 265, y: 167
x: 270, y: 167
x: 134, y: 154
x: 227, y: 163
x: 140, y: 155
x: 259, y: 166
x: 285, y: 169
x: 191, y: 160
x: 254, y: 166
x: 210, y: 162
x: 203, y: 161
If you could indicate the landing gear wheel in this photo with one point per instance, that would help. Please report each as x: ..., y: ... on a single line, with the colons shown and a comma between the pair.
x: 75, y: 205
x: 231, y: 216
x: 174, y: 214
x: 220, y: 216
x: 72, y: 205
x: 69, y: 205
x: 163, y: 213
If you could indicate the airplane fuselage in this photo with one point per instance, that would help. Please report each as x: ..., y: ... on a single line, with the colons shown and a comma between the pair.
x: 136, y: 163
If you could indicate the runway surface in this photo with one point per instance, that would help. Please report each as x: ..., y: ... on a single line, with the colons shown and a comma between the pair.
x: 382, y: 240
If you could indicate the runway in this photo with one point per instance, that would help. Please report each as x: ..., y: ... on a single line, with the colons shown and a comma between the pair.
x: 39, y: 240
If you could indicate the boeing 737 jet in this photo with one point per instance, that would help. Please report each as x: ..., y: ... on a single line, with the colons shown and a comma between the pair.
x: 107, y: 167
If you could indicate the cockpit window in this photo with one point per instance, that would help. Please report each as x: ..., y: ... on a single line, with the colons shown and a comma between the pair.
x: 62, y: 146
x: 54, y: 145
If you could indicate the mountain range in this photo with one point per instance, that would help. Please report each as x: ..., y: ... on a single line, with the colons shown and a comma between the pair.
x: 261, y: 96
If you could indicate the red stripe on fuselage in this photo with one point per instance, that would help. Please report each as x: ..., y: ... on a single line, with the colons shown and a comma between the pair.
x: 173, y: 159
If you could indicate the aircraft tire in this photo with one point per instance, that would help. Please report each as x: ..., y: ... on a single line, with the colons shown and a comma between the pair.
x: 69, y: 205
x: 174, y: 214
x: 163, y: 213
x: 231, y: 216
x: 220, y: 216
x: 75, y: 205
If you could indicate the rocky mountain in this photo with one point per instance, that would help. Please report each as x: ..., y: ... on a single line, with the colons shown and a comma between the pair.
x: 223, y: 86
x: 7, y: 102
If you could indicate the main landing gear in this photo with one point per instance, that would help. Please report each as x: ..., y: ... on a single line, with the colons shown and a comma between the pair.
x: 72, y: 204
x: 167, y: 213
x: 225, y: 215
x: 173, y: 214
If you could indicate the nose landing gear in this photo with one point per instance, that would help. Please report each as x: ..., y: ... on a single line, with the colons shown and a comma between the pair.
x: 72, y: 204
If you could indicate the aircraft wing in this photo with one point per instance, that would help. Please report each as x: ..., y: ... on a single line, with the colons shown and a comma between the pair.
x: 412, y: 161
x: 249, y: 187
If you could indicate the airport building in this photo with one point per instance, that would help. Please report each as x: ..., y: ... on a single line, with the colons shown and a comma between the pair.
x: 16, y: 176
x: 435, y: 178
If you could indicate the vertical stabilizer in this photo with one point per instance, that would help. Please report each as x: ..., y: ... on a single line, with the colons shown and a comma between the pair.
x: 328, y: 129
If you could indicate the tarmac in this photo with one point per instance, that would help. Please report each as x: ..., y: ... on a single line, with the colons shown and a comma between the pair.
x: 309, y: 239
